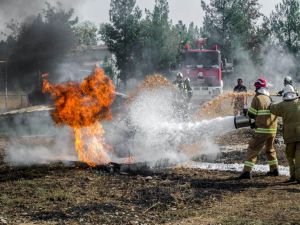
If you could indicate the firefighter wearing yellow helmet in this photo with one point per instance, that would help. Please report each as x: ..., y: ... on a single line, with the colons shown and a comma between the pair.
x: 289, y: 110
x: 265, y: 131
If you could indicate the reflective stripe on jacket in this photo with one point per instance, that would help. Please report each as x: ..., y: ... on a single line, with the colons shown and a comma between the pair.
x: 290, y: 113
x: 265, y: 121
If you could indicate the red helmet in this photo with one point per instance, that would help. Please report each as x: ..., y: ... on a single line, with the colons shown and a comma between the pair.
x: 260, y: 83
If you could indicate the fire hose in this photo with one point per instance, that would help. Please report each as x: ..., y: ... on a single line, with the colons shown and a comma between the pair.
x: 245, y: 121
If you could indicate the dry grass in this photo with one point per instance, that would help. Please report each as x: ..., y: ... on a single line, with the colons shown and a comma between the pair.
x: 57, y: 194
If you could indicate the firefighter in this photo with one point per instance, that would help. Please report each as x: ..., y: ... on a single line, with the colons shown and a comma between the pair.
x: 239, y: 101
x: 289, y: 110
x: 288, y: 82
x: 265, y: 131
x: 184, y: 87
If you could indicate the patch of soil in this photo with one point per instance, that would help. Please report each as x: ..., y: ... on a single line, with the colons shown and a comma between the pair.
x: 60, y: 194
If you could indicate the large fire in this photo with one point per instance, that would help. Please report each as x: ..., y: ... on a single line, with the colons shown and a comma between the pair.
x: 82, y: 106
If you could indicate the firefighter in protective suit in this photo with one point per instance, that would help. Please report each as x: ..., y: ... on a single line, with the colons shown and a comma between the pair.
x: 287, y: 82
x: 182, y: 97
x: 289, y: 110
x: 184, y: 87
x: 265, y: 131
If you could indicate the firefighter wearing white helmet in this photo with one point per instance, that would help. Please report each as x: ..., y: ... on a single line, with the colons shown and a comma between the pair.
x: 288, y: 82
x: 289, y: 93
x: 289, y: 110
x: 184, y: 86
x: 265, y: 131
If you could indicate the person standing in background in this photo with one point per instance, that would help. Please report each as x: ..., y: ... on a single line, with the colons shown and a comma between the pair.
x: 239, y: 101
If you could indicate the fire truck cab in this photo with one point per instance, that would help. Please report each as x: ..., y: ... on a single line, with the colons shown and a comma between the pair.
x: 204, y: 69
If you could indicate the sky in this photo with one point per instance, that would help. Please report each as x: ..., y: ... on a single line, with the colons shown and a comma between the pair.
x: 179, y: 9
x: 97, y: 10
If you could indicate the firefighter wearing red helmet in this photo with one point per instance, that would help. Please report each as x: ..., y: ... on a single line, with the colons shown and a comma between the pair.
x: 265, y: 131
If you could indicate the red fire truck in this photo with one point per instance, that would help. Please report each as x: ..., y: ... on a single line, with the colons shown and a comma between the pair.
x: 204, y: 68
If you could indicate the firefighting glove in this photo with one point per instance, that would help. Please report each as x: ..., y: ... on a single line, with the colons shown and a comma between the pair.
x: 245, y: 111
x: 252, y: 124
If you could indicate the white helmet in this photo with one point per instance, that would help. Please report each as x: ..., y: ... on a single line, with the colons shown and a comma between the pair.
x: 289, y: 93
x: 187, y: 79
x: 288, y: 80
x: 179, y: 75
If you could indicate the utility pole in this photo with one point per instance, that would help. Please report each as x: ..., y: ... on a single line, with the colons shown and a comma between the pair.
x: 3, y: 73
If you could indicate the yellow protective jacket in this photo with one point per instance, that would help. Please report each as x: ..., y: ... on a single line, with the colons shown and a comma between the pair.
x: 290, y: 113
x: 265, y: 122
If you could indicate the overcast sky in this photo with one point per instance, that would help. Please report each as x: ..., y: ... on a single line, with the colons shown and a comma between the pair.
x: 97, y: 10
x: 185, y: 10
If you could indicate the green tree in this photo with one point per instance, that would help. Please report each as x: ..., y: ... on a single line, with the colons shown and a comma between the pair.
x: 40, y: 44
x: 231, y: 24
x: 86, y: 33
x: 182, y: 33
x: 193, y: 33
x: 285, y: 24
x: 187, y: 35
x: 122, y: 35
x: 160, y: 39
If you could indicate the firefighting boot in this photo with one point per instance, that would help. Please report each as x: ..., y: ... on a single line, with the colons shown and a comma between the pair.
x: 245, y: 175
x: 273, y: 173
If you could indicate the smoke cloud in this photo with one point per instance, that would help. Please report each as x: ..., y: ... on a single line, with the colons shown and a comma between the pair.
x: 276, y: 63
x: 20, y: 10
x: 34, y: 139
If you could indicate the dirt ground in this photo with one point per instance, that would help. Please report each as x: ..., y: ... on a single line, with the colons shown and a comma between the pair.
x: 71, y: 194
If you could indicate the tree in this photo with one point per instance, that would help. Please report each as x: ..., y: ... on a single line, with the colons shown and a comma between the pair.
x: 285, y: 24
x: 122, y: 35
x: 187, y: 35
x: 86, y: 33
x: 231, y: 24
x: 193, y: 34
x: 40, y: 43
x: 160, y: 39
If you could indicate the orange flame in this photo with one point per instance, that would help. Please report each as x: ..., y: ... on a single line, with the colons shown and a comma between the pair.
x: 81, y: 106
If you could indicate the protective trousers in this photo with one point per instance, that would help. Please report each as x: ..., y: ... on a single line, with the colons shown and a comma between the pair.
x: 293, y: 157
x: 255, y: 146
x: 238, y: 106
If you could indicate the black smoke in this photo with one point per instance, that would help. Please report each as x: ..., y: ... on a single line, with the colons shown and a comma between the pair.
x: 37, y: 45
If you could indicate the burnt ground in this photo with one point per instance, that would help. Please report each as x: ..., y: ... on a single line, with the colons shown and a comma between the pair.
x: 60, y: 194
